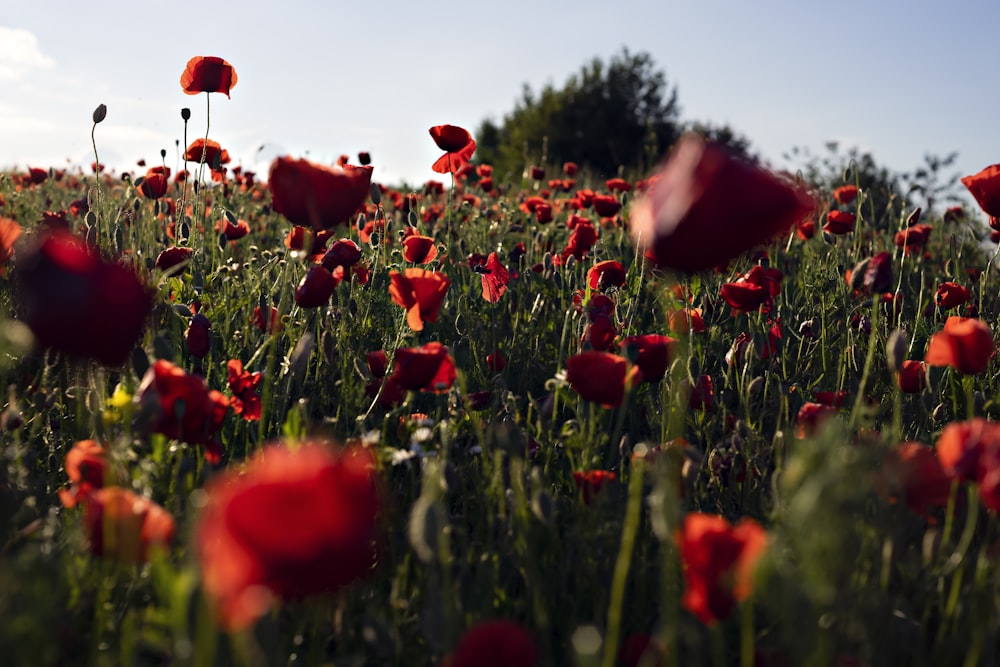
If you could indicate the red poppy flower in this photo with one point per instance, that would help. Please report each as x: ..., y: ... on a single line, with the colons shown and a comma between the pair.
x: 495, y: 278
x: 912, y: 377
x: 601, y: 377
x: 214, y: 155
x: 810, y: 416
x: 244, y: 385
x: 708, y: 207
x: 155, y: 183
x: 965, y: 344
x: 184, y: 407
x: 835, y: 399
x: 495, y: 644
x: 652, y: 354
x: 197, y: 337
x: 985, y: 187
x: 806, y: 229
x: 458, y: 145
x: 950, y: 294
x: 589, y: 483
x: 606, y: 206
x: 343, y: 252
x: 961, y: 445
x: 718, y: 559
x: 543, y: 213
x: 420, y: 293
x: 208, y: 74
x: 233, y: 231
x: 606, y: 274
x: 274, y: 324
x: 291, y: 524
x: 845, y: 194
x: 316, y: 287
x: 916, y: 474
x: 839, y: 222
x: 618, y: 185
x: 315, y: 195
x: 913, y: 237
x: 378, y: 363
x: 37, y: 175
x: 752, y: 290
x: 170, y: 259
x: 496, y: 361
x: 87, y: 468
x: 419, y: 249
x: 570, y: 168
x: 682, y: 319
x: 581, y: 239
x: 872, y: 275
x: 122, y: 525
x: 76, y: 302
x: 425, y: 368
x: 10, y: 232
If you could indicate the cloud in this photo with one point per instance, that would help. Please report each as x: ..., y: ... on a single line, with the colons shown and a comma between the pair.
x: 19, y: 54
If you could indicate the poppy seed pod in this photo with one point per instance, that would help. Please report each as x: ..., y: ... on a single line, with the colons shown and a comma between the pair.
x: 100, y: 113
x: 895, y: 349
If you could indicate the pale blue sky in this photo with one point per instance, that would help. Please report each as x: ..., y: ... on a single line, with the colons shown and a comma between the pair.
x: 897, y: 78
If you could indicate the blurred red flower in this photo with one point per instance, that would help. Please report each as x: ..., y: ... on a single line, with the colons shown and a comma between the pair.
x: 315, y: 195
x: 425, y: 368
x: 718, y: 560
x: 208, y: 74
x: 292, y: 523
x: 845, y: 194
x: 272, y: 326
x: 10, y: 232
x: 495, y: 644
x: 965, y: 344
x: 912, y: 377
x: 170, y: 259
x: 606, y: 206
x: 985, y: 187
x: 682, y: 319
x: 244, y: 385
x: 810, y: 416
x: 496, y: 361
x: 182, y: 406
x: 87, y: 468
x: 343, y: 252
x: 316, y: 287
x: 950, y: 294
x: 589, y: 483
x: 233, y: 231
x: 197, y: 337
x: 76, y: 302
x: 962, y: 443
x: 155, y: 183
x: 652, y: 354
x: 570, y: 168
x: 708, y: 207
x: 754, y: 289
x: 214, y: 155
x: 916, y: 474
x: 601, y: 377
x: 420, y: 292
x: 618, y: 185
x: 495, y: 278
x: 458, y: 145
x: 839, y: 222
x: 122, y: 525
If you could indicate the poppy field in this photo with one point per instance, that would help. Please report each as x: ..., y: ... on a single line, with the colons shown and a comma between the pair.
x: 706, y: 415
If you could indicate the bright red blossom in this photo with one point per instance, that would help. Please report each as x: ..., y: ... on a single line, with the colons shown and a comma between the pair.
x: 420, y: 293
x: 317, y: 196
x: 965, y: 344
x: 458, y: 145
x: 601, y: 377
x: 208, y: 74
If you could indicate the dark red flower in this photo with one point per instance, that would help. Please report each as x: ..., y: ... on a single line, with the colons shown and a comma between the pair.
x: 618, y: 185
x: 537, y: 173
x: 495, y: 644
x: 570, y: 168
x: 985, y: 187
x: 913, y: 237
x: 752, y: 290
x: 806, y: 229
x: 316, y: 287
x: 122, y: 525
x: 718, y: 559
x: 233, y: 231
x: 702, y: 393
x: 606, y: 274
x: 950, y: 294
x: 543, y: 213
x: 425, y: 368
x: 155, y: 183
x: 494, y: 278
x: 965, y: 344
x: 589, y: 483
x: 495, y: 361
x: 343, y: 252
x: 185, y: 409
x: 839, y: 222
x: 419, y: 249
x: 258, y: 319
x: 708, y: 207
x: 37, y: 175
x: 962, y: 444
x: 209, y: 152
x: 87, y: 468
x: 76, y: 302
x: 315, y: 195
x: 378, y: 363
x: 458, y: 145
x: 198, y: 338
x: 601, y: 377
x: 912, y: 377
x: 244, y: 385
x: 420, y: 293
x: 174, y: 259
x: 652, y: 354
x: 208, y: 74
x: 810, y: 416
x: 364, y: 158
x: 845, y: 194
x: 292, y: 523
x: 916, y: 474
x: 606, y: 206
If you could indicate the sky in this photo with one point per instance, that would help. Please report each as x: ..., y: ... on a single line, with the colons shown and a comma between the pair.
x: 321, y: 79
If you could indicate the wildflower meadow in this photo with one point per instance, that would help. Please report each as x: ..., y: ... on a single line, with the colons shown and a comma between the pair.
x: 710, y: 414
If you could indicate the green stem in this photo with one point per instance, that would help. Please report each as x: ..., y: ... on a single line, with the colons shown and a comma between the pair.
x: 618, y: 583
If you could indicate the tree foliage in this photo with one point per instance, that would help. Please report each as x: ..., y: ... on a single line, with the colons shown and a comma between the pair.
x: 609, y: 115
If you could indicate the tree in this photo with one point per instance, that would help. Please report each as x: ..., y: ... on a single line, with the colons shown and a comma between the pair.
x: 607, y: 116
